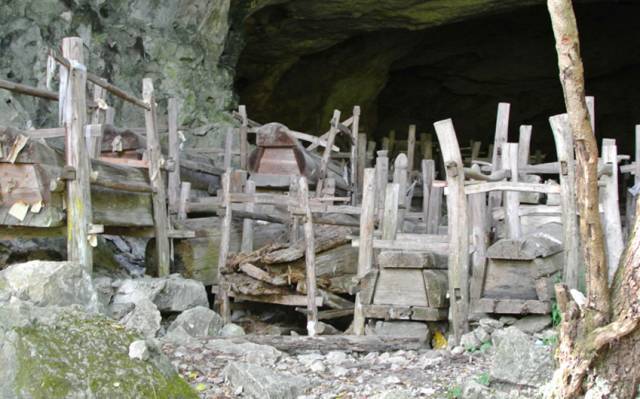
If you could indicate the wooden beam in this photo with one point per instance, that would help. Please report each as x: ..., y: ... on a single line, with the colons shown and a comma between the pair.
x: 501, y: 136
x: 511, y: 199
x: 159, y: 197
x: 244, y: 144
x: 355, y: 139
x: 411, y: 147
x: 174, y: 153
x: 222, y: 297
x: 310, y: 258
x: 74, y: 108
x: 611, y: 217
x: 28, y: 90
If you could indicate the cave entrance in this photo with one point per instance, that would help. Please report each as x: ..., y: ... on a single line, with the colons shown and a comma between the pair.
x: 298, y: 64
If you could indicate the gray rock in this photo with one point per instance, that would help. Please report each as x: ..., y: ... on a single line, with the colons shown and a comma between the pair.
x: 198, y: 322
x: 336, y: 357
x: 458, y: 350
x: 410, y: 329
x: 317, y: 367
x: 104, y: 288
x: 490, y: 325
x: 50, y: 284
x: 474, y: 390
x: 394, y: 394
x: 180, y: 294
x: 469, y: 341
x: 247, y: 351
x: 323, y: 328
x: 519, y: 360
x: 139, y: 350
x: 482, y: 335
x: 66, y: 353
x: 232, y: 330
x: 533, y: 323
x: 508, y: 320
x: 144, y: 318
x: 262, y: 383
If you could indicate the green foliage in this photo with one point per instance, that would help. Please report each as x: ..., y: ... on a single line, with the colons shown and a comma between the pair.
x: 484, y: 379
x: 550, y: 341
x: 556, y: 317
x: 485, y: 346
x: 454, y: 392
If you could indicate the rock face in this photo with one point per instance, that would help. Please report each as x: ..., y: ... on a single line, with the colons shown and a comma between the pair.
x: 50, y: 284
x: 520, y: 360
x: 61, y: 352
x: 178, y: 44
x: 262, y: 383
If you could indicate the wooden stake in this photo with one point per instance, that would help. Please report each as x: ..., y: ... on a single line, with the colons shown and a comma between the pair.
x: 362, y: 159
x: 183, y: 202
x: 244, y: 144
x: 310, y: 258
x: 501, y: 136
x: 390, y: 220
x: 524, y: 145
x: 73, y: 106
x: 228, y: 146
x: 610, y: 203
x: 355, y: 137
x: 225, y: 239
x: 365, y: 250
x: 174, y: 154
x: 428, y: 172
x: 458, y: 262
x: 247, y: 224
x: 511, y: 199
x: 411, y: 147
x: 154, y: 152
x: 382, y: 178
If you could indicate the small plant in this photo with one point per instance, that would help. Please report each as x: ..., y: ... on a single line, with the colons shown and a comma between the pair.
x: 485, y: 347
x: 550, y: 341
x: 484, y: 379
x: 454, y: 392
x: 470, y: 348
x: 556, y: 317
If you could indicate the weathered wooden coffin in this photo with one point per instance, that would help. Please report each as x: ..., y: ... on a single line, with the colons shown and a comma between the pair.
x: 278, y: 156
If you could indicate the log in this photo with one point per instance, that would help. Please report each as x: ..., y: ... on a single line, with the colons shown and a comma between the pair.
x: 324, y: 344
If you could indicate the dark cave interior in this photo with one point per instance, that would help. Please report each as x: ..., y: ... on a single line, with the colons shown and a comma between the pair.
x: 296, y: 71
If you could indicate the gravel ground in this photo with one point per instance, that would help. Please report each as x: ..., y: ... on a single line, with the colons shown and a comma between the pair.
x: 388, y: 375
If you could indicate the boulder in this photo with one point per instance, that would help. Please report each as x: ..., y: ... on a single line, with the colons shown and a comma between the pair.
x: 231, y: 330
x: 262, y: 383
x: 533, y: 323
x: 45, y: 283
x: 470, y: 341
x: 170, y: 294
x: 139, y: 350
x: 518, y: 359
x: 198, y: 322
x: 482, y: 334
x: 144, y: 318
x: 63, y: 352
x: 490, y: 325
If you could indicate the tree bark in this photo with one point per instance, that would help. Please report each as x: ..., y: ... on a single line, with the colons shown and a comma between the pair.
x: 590, y: 348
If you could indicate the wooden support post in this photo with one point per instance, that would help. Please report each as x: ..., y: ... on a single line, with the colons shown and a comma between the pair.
x: 564, y: 149
x: 511, y: 199
x: 174, y: 154
x: 371, y: 149
x: 355, y: 140
x: 362, y: 160
x: 400, y: 177
x: 458, y: 261
x: 294, y: 232
x: 501, y: 136
x: 365, y: 250
x: 324, y: 161
x: 426, y: 140
x: 382, y: 178
x: 390, y: 218
x: 591, y: 108
x: 435, y: 210
x: 244, y: 144
x: 392, y: 142
x: 183, y: 201
x: 610, y: 203
x: 310, y: 258
x: 385, y: 144
x: 222, y: 299
x: 154, y: 153
x: 428, y: 173
x: 74, y: 109
x: 110, y: 116
x: 247, y: 224
x: 411, y: 148
x: 97, y: 118
x: 524, y: 145
x: 228, y: 147
x: 479, y: 241
x: 475, y: 150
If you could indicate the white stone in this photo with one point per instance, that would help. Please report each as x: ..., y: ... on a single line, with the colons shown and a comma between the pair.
x: 336, y: 357
x: 139, y: 350
x: 317, y: 366
x: 231, y: 330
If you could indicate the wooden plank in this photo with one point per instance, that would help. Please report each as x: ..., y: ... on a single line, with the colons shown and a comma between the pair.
x: 511, y: 306
x: 228, y: 144
x: 382, y: 178
x: 362, y: 160
x: 479, y: 241
x: 428, y: 173
x: 511, y: 199
x: 286, y: 300
x: 411, y: 147
x: 173, y: 189
x: 310, y: 256
x: 244, y: 144
x: 610, y: 202
x: 247, y: 224
x: 355, y: 143
x: 28, y: 90
x: 154, y: 152
x: 435, y: 282
x: 400, y: 178
x: 486, y: 187
x: 400, y: 287
x: 435, y: 209
x: 365, y: 252
x: 79, y: 209
x: 501, y: 136
x: 225, y: 228
x: 458, y: 228
x: 324, y: 161
x: 564, y: 149
x: 524, y: 145
x: 390, y: 218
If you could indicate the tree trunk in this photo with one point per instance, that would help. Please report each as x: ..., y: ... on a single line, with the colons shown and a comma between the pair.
x: 589, y: 349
